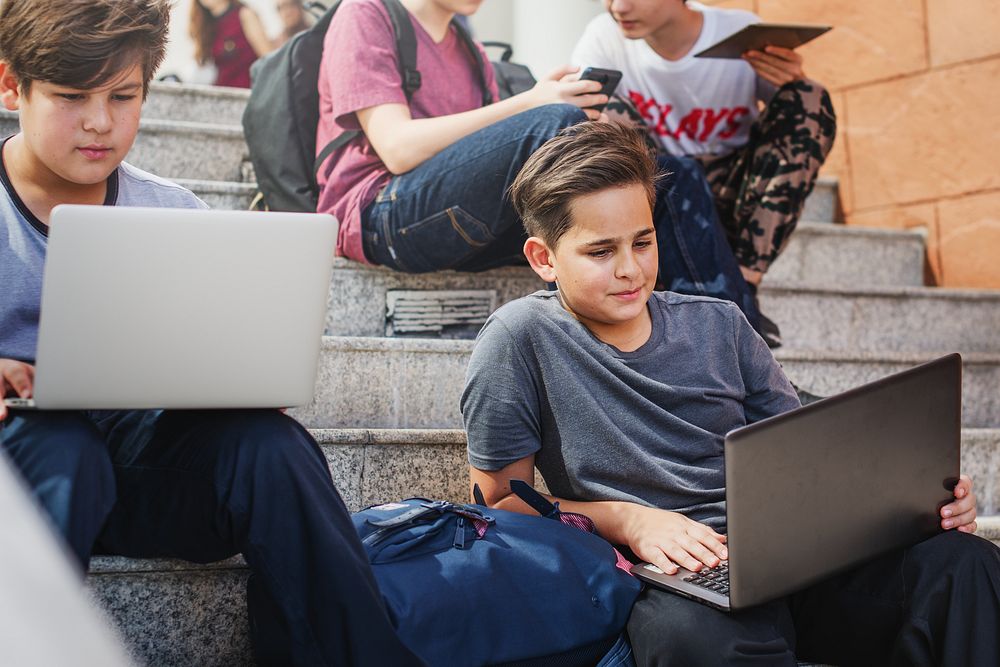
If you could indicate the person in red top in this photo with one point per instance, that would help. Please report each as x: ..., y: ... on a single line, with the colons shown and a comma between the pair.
x: 231, y: 36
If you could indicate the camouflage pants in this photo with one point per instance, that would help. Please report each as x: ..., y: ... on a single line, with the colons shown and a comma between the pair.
x: 761, y: 188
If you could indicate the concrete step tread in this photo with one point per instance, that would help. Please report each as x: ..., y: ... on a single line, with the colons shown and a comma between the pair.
x: 199, y: 90
x: 204, y: 185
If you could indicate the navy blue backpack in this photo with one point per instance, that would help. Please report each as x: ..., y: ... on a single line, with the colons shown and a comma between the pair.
x: 466, y: 585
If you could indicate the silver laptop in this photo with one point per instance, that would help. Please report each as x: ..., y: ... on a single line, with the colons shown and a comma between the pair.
x: 820, y: 489
x: 180, y: 308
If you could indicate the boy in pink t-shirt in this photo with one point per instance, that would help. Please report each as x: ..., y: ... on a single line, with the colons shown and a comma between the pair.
x: 422, y: 187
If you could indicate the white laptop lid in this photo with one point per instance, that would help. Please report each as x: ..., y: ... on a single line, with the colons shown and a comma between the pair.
x: 181, y: 308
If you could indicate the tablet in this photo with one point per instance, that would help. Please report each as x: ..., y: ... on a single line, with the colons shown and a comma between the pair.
x: 756, y: 36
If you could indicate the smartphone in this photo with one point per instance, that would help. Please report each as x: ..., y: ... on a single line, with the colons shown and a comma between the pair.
x: 608, y: 79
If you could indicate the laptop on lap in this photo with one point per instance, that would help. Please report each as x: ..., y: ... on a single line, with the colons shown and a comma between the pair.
x: 817, y: 490
x: 181, y: 308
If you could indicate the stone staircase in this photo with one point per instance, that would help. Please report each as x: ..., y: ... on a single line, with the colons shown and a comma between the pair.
x: 850, y: 303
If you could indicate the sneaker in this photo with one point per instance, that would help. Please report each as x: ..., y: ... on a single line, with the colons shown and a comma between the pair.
x: 806, y: 397
x: 768, y: 329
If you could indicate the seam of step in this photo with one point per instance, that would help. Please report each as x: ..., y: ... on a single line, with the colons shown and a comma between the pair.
x: 224, y: 187
x: 892, y: 291
x: 199, y: 90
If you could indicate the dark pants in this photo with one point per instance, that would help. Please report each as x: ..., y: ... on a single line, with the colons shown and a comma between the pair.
x: 203, y: 486
x: 453, y: 212
x: 936, y: 603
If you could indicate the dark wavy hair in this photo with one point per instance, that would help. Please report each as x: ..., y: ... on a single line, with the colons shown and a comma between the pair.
x: 82, y: 43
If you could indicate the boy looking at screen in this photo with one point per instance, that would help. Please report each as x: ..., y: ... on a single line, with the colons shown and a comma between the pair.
x: 196, y: 485
x: 621, y: 397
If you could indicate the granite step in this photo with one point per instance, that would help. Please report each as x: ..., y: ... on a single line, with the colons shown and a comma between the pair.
x: 221, y: 195
x: 195, y: 103
x: 885, y: 319
x: 416, y: 383
x: 818, y: 255
x: 180, y: 149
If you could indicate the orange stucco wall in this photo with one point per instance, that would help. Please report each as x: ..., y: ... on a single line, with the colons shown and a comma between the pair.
x: 916, y: 85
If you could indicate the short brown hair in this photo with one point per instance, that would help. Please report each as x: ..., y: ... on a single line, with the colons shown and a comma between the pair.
x: 82, y: 43
x: 582, y: 159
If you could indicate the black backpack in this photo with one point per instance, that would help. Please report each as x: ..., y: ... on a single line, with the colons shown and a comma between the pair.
x: 281, y: 116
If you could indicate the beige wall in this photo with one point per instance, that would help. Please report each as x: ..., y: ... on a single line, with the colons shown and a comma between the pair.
x: 916, y: 85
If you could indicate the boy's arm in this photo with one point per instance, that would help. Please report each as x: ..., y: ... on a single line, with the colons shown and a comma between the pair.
x: 665, y: 539
x: 17, y: 378
x: 404, y: 143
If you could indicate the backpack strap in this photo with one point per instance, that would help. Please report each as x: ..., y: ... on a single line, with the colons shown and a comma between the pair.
x: 406, y: 46
x: 477, y: 57
x: 534, y: 499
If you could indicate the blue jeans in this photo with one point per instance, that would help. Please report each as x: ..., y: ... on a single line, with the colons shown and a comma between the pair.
x: 695, y: 257
x: 453, y: 212
x: 203, y: 486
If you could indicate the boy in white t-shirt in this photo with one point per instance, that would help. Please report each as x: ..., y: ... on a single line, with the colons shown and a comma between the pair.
x: 759, y: 128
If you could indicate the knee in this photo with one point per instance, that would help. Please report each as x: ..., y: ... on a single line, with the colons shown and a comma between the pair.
x: 547, y: 121
x: 269, y: 443
x: 959, y: 554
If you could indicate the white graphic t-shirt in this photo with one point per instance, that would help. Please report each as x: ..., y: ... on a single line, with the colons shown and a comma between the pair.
x: 694, y: 105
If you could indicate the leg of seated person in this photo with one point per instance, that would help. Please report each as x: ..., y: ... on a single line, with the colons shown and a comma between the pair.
x: 666, y: 629
x: 452, y: 211
x: 203, y: 485
x: 761, y: 188
x: 936, y: 603
x: 694, y: 255
x: 66, y: 465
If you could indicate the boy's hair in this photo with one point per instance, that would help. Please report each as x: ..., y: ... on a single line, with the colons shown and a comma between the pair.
x: 581, y: 160
x: 82, y: 43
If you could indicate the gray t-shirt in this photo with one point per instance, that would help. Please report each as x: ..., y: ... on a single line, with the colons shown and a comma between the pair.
x: 23, y: 240
x: 644, y: 426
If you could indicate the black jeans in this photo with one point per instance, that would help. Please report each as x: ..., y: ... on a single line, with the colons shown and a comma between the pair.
x: 203, y: 486
x: 936, y: 603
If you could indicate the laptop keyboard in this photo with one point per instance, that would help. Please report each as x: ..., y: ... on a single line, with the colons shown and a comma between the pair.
x: 713, y: 578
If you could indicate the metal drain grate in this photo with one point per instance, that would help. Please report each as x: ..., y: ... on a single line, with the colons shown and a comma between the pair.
x: 417, y: 312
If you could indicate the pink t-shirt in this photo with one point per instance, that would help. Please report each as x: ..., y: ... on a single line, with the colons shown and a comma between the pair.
x: 360, y: 70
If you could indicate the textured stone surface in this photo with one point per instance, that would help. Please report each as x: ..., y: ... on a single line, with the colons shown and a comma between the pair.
x: 915, y: 217
x: 969, y: 240
x: 405, y: 383
x: 870, y: 40
x: 981, y: 461
x: 892, y: 159
x: 963, y: 30
x: 195, y: 103
x: 224, y: 195
x: 989, y: 528
x: 902, y: 319
x: 823, y: 203
x: 179, y: 617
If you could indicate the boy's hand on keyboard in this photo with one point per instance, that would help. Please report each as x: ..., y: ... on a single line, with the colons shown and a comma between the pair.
x: 961, y: 514
x: 668, y: 539
x: 16, y: 379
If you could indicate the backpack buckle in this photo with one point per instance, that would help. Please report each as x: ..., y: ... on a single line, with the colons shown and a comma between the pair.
x: 411, y: 80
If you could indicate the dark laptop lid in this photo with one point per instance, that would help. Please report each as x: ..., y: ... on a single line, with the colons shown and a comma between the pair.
x: 822, y: 488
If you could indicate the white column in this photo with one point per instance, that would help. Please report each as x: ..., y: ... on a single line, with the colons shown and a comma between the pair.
x: 545, y: 31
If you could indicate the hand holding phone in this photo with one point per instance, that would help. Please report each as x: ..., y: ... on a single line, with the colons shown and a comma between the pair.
x: 608, y: 78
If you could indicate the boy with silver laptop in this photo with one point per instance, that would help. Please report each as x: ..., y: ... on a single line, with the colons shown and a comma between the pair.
x: 197, y: 485
x: 621, y: 397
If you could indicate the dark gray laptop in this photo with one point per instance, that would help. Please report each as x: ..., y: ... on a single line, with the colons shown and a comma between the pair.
x: 820, y: 489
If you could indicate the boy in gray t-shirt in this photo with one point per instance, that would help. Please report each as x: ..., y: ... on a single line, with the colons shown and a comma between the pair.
x: 622, y: 397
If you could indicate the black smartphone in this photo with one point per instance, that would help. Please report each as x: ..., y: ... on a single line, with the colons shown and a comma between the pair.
x: 608, y: 78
